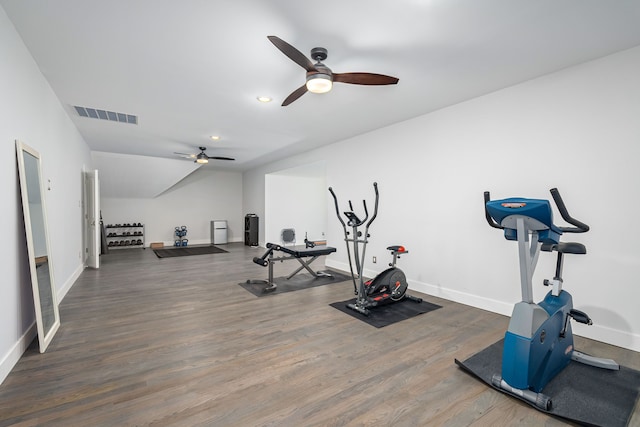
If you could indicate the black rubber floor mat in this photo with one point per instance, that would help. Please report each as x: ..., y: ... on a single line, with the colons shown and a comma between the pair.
x: 186, y: 251
x: 580, y: 393
x: 388, y: 314
x: 296, y: 283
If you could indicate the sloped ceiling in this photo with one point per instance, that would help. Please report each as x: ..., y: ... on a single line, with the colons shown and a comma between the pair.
x: 131, y: 176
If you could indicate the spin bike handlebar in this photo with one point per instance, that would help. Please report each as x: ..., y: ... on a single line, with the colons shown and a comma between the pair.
x: 579, y: 227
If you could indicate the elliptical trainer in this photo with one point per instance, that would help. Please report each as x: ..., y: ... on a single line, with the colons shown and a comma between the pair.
x: 387, y: 287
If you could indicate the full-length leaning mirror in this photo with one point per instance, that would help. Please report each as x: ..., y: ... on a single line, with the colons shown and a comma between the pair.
x: 35, y: 222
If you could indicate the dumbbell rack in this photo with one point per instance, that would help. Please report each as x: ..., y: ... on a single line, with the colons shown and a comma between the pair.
x: 180, y: 236
x: 121, y: 236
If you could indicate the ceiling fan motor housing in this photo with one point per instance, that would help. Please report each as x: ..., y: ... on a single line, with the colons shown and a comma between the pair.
x: 319, y: 53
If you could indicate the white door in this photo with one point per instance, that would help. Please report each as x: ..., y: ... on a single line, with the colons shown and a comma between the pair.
x: 93, y: 219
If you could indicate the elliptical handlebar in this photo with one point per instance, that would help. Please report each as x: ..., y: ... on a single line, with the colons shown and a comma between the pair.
x: 335, y: 201
x: 580, y: 227
x: 351, y: 216
x: 375, y: 209
x: 357, y: 221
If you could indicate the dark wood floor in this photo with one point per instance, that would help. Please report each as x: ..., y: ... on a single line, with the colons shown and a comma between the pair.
x: 176, y: 341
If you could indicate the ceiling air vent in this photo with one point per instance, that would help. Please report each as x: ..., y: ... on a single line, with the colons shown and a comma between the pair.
x: 112, y: 116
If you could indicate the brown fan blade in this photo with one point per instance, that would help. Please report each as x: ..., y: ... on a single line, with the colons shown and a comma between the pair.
x: 295, y: 95
x: 219, y: 158
x: 364, y: 79
x: 294, y: 54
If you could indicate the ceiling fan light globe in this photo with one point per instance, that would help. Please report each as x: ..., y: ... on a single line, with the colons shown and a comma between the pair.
x: 319, y: 83
x: 202, y: 159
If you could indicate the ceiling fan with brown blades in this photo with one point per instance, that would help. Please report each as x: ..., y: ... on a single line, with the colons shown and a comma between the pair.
x: 320, y: 78
x: 202, y: 157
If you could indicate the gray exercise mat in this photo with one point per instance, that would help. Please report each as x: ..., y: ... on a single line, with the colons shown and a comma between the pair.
x: 296, y: 283
x: 580, y: 393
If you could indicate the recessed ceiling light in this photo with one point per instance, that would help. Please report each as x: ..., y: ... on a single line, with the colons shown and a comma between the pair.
x: 264, y: 99
x: 214, y: 137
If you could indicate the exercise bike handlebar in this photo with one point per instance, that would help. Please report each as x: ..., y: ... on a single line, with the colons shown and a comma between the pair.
x: 580, y: 227
x: 490, y: 220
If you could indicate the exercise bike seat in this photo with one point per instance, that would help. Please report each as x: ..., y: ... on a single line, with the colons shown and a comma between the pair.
x: 565, y: 248
x: 397, y: 249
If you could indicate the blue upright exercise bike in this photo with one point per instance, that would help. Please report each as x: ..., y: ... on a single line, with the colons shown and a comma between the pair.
x: 538, y: 344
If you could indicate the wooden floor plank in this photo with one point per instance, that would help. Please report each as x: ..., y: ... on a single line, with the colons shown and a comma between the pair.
x: 177, y: 342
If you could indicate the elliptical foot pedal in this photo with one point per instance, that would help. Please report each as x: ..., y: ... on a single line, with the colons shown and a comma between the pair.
x: 414, y: 299
x: 358, y: 308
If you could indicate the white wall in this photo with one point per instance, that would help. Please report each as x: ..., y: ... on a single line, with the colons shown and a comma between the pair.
x: 307, y: 214
x: 576, y: 129
x: 201, y: 197
x: 31, y: 112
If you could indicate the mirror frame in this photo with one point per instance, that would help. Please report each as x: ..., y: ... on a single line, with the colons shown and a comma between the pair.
x: 37, y: 261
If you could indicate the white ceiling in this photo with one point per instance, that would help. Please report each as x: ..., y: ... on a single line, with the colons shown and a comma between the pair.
x: 193, y: 68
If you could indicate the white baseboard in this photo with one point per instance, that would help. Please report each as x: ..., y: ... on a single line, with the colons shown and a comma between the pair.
x: 620, y: 338
x: 607, y: 335
x: 12, y: 357
x: 15, y: 353
x: 169, y: 244
x: 64, y: 289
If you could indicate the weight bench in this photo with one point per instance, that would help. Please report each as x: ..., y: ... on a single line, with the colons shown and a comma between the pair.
x: 304, y: 254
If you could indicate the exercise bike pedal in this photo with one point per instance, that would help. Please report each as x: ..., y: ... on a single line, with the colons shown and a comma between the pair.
x: 580, y: 316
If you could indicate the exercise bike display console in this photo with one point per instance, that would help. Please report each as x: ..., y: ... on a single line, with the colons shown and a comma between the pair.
x: 538, y: 343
